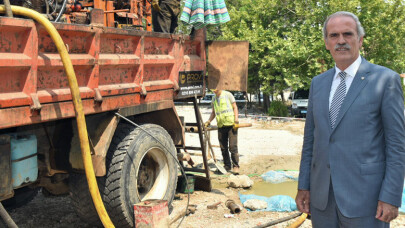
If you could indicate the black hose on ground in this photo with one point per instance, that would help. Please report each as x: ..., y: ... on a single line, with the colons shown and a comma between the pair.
x: 274, y: 222
x: 6, y: 217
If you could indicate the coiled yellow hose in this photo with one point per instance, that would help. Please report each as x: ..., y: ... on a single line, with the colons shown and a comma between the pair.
x: 77, y: 102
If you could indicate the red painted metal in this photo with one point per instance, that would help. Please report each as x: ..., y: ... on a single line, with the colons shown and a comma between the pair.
x: 151, y: 213
x: 114, y: 64
x: 138, y: 11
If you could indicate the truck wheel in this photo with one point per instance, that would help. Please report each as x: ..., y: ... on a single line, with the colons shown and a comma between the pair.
x: 81, y: 199
x: 138, y: 168
x: 21, y: 197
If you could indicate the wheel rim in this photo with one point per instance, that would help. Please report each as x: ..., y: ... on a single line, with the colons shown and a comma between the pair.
x: 152, y: 177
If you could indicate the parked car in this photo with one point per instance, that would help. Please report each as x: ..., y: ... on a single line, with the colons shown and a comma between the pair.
x: 207, y: 99
x: 256, y: 97
x: 239, y: 99
x: 299, y: 103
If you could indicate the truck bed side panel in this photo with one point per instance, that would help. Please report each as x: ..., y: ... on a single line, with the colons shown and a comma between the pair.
x: 115, y: 68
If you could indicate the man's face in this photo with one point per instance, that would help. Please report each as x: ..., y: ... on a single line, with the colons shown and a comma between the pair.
x: 217, y: 92
x: 343, y: 41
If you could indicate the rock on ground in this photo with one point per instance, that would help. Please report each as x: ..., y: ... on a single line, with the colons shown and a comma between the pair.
x: 239, y: 181
x: 255, y: 204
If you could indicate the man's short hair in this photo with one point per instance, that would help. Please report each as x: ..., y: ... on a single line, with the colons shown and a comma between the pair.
x: 360, y: 29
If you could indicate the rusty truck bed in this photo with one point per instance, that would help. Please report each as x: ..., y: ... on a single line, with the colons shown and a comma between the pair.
x: 115, y: 68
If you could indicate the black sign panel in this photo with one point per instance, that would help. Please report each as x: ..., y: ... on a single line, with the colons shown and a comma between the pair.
x: 190, y: 83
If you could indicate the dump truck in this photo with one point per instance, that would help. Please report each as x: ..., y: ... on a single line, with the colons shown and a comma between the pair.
x: 128, y: 80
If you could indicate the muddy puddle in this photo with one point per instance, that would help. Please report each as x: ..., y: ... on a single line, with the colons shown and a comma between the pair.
x: 263, y: 188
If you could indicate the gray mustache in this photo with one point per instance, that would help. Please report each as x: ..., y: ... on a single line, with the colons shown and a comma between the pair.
x: 342, y: 46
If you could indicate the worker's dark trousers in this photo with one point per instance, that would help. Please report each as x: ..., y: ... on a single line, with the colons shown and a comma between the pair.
x: 228, y: 135
x: 166, y: 19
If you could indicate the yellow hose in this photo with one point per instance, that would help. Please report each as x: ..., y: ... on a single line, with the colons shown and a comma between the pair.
x: 77, y: 102
x: 299, y: 221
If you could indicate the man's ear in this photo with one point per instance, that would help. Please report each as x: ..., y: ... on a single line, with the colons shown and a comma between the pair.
x: 361, y: 41
x: 326, y: 43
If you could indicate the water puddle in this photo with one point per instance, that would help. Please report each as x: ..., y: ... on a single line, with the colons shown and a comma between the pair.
x: 217, y: 185
x: 267, y: 189
x: 263, y: 188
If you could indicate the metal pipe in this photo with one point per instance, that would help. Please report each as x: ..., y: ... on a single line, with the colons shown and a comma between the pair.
x: 194, y: 170
x: 9, y: 12
x: 62, y: 10
x: 192, y: 148
x: 47, y: 8
x: 235, y: 209
x: 200, y: 125
x: 191, y: 129
x: 116, y: 11
x: 211, y: 128
x: 6, y: 217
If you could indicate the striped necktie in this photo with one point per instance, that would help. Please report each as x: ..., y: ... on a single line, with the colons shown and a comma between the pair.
x: 338, y: 99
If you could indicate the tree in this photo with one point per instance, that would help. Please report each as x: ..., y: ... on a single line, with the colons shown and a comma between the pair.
x: 286, y: 41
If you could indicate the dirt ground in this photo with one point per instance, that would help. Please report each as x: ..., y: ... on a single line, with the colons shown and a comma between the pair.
x: 270, y: 144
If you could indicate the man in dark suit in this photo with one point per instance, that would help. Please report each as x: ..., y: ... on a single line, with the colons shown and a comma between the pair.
x: 353, y: 157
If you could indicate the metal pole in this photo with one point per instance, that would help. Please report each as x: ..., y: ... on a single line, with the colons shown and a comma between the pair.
x: 6, y: 217
x: 200, y: 131
x: 9, y: 13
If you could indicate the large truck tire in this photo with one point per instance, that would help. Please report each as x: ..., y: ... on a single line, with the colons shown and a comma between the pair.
x: 81, y: 199
x: 21, y: 197
x: 138, y: 168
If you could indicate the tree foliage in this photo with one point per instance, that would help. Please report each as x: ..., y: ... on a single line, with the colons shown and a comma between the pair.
x: 286, y: 41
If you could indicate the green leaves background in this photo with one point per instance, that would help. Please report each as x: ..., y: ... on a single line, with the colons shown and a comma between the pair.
x: 286, y: 42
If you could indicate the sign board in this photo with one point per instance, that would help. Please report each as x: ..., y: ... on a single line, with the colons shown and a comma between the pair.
x: 190, y: 84
x: 228, y: 65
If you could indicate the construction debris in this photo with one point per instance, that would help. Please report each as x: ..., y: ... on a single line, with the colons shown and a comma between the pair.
x: 235, y: 209
x: 190, y: 210
x: 239, y: 181
x: 185, y: 157
x: 255, y: 204
x: 213, y: 206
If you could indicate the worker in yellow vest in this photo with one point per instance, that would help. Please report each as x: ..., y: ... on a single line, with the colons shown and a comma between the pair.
x: 226, y: 112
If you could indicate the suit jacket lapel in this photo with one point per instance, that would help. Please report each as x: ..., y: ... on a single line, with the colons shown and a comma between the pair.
x: 325, y: 97
x: 359, y: 81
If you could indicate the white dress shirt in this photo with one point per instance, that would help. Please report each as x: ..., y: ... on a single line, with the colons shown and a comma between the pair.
x: 350, y: 73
